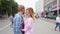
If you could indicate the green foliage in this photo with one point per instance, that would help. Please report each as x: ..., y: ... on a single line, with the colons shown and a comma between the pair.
x: 8, y: 6
x: 0, y: 2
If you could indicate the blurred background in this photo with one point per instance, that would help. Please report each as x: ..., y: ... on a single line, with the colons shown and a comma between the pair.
x: 46, y: 12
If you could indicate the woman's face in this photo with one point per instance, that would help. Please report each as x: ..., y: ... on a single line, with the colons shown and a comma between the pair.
x: 27, y: 13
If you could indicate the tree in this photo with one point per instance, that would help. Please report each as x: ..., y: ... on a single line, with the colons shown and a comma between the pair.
x: 0, y: 2
x: 14, y: 7
x: 8, y: 6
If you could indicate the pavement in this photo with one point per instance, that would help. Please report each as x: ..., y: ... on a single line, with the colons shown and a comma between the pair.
x: 4, y: 23
x: 41, y: 26
x: 44, y: 26
x: 47, y: 19
x: 7, y: 30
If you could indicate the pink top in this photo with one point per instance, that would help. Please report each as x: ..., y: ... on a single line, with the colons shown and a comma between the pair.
x: 29, y: 26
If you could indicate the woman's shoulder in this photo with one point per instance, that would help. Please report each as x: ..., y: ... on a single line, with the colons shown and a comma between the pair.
x: 30, y: 19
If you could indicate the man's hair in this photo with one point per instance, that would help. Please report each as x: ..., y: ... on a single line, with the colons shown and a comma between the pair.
x: 20, y: 7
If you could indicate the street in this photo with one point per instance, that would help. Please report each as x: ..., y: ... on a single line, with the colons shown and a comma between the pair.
x: 46, y: 12
x: 41, y: 26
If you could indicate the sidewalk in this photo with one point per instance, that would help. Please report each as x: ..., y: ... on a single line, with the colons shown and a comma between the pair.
x: 4, y: 24
x: 44, y: 26
x: 7, y: 30
x: 50, y: 20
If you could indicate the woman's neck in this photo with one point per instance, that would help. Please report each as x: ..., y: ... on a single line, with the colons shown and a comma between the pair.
x: 28, y: 16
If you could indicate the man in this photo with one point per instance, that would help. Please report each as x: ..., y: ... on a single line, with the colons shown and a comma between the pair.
x: 11, y: 18
x: 18, y: 19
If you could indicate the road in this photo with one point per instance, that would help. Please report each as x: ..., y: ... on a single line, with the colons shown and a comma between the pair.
x: 4, y: 22
x: 44, y: 26
x: 41, y: 26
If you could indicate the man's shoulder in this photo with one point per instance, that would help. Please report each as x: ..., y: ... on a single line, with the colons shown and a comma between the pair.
x: 18, y: 15
x: 30, y: 19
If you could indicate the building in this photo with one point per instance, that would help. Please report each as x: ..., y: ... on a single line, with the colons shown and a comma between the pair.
x: 50, y: 8
x: 39, y: 6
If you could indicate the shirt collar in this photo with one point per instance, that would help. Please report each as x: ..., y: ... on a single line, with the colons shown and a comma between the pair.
x: 20, y: 13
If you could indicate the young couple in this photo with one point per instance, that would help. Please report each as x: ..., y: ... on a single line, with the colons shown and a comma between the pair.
x: 20, y: 26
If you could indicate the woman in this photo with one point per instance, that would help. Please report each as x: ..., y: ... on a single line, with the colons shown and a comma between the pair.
x: 29, y: 22
x: 57, y: 22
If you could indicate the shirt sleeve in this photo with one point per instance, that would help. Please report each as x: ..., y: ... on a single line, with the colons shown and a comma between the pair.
x: 18, y: 22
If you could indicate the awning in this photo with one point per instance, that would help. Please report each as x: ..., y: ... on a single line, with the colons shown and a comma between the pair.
x: 55, y: 9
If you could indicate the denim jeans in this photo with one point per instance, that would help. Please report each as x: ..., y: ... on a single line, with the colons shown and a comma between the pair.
x: 58, y: 25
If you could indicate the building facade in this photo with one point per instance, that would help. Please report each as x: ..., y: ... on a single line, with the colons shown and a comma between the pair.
x: 50, y: 8
x: 39, y: 6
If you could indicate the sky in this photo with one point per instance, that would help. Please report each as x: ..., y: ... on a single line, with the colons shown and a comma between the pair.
x: 27, y: 3
x: 35, y: 4
x: 39, y: 5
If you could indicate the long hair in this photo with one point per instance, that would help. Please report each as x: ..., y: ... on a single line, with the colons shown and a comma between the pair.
x: 31, y: 12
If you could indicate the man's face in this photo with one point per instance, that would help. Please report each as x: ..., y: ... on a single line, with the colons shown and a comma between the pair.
x: 23, y: 11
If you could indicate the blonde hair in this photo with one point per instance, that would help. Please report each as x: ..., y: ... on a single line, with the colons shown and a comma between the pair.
x: 20, y: 7
x: 31, y: 12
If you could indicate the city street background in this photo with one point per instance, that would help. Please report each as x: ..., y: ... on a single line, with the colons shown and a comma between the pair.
x: 45, y: 11
x: 41, y: 26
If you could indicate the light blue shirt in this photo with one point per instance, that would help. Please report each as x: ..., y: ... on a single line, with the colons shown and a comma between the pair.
x: 11, y: 18
x: 17, y: 23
